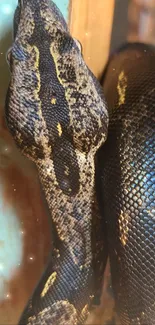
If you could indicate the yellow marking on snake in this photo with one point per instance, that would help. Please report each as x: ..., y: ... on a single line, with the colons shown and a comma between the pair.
x: 123, y: 227
x: 49, y: 283
x: 55, y: 59
x: 66, y: 170
x: 59, y: 128
x: 40, y: 136
x: 62, y: 310
x: 85, y: 311
x: 121, y: 87
x: 53, y: 101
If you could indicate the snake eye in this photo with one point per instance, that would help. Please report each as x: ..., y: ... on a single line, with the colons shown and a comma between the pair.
x: 18, y: 52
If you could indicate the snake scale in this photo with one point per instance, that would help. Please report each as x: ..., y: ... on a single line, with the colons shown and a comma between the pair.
x: 57, y: 114
x: 127, y: 171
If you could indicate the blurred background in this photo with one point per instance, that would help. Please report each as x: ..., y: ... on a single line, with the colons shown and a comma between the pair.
x: 101, y: 26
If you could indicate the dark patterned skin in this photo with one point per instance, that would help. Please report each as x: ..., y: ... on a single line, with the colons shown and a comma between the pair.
x: 56, y: 112
x: 127, y: 169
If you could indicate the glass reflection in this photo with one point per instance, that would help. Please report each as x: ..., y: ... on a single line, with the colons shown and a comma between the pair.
x: 24, y: 233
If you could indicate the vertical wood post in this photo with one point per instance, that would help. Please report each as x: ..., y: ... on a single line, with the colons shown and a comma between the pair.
x: 91, y: 23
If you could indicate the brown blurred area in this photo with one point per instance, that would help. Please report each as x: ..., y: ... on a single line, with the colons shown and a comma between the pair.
x: 20, y: 192
x: 141, y: 17
x: 101, y: 26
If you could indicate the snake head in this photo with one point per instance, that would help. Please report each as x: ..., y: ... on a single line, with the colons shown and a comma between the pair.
x: 53, y: 97
x: 34, y: 5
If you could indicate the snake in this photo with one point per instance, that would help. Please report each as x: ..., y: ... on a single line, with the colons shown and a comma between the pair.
x: 57, y: 115
x: 73, y: 130
x: 126, y: 165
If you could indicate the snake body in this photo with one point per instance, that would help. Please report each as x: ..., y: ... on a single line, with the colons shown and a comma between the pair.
x: 56, y: 112
x: 127, y: 170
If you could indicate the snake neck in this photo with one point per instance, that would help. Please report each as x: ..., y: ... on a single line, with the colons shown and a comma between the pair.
x: 71, y: 214
x: 72, y: 217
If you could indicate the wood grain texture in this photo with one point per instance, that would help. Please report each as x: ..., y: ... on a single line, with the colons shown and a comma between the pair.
x: 91, y: 23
